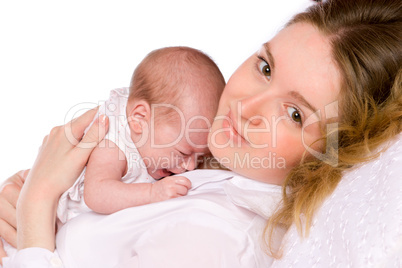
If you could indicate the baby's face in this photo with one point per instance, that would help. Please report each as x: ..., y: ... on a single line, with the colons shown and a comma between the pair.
x: 175, y: 147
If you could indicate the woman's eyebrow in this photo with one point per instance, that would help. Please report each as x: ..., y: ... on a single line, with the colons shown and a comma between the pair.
x: 294, y: 94
x: 269, y: 55
x: 299, y: 97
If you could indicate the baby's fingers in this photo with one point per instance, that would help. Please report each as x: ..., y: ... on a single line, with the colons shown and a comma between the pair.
x: 180, y: 180
x: 181, y: 190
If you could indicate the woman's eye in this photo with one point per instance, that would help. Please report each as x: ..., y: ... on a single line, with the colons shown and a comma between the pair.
x: 294, y: 114
x: 265, y: 69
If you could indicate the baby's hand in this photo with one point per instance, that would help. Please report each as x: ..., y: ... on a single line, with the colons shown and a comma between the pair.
x: 169, y: 187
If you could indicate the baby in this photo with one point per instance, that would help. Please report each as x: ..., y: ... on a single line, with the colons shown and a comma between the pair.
x: 157, y: 127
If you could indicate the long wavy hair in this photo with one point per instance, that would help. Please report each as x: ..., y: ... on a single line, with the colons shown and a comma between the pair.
x: 366, y: 41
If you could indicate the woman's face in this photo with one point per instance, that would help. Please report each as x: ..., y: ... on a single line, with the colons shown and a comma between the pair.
x: 275, y: 105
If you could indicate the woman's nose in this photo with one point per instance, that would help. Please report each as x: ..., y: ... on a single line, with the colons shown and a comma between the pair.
x: 250, y: 108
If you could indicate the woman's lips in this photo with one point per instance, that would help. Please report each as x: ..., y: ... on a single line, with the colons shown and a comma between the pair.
x: 230, y: 124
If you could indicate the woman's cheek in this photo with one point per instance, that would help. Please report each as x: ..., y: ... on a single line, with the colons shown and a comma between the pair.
x: 290, y: 149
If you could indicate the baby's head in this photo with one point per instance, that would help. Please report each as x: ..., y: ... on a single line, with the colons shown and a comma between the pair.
x: 174, y: 95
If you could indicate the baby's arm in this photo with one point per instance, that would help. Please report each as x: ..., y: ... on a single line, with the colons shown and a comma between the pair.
x: 105, y: 193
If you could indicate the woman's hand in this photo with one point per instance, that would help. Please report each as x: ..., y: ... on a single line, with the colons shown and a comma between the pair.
x: 9, y: 192
x: 62, y: 157
x: 64, y: 153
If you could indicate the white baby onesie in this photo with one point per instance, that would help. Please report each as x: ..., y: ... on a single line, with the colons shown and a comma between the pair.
x: 72, y: 203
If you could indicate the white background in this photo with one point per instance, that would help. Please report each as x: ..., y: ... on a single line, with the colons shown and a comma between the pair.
x: 57, y: 54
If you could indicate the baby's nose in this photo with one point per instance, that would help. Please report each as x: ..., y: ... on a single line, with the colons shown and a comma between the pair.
x: 190, y: 163
x: 187, y: 164
x: 177, y: 170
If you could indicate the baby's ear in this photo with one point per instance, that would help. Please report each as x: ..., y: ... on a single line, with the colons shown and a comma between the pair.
x: 139, y: 116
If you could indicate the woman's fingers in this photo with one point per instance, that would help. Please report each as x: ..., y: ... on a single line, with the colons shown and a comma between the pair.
x: 11, y: 188
x: 64, y: 154
x: 9, y: 193
x: 7, y: 212
x: 58, y: 164
x: 8, y: 233
x: 74, y: 130
x: 95, y: 133
x: 2, y: 252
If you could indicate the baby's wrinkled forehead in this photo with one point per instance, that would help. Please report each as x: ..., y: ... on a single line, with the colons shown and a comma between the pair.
x: 194, y: 127
x: 196, y: 140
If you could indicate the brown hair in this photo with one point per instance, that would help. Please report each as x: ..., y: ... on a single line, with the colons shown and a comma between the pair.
x: 366, y: 41
x: 167, y: 75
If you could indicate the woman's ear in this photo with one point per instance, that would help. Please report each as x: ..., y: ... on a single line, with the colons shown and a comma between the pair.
x: 139, y: 116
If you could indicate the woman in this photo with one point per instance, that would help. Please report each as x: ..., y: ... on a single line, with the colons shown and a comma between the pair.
x: 337, y: 64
